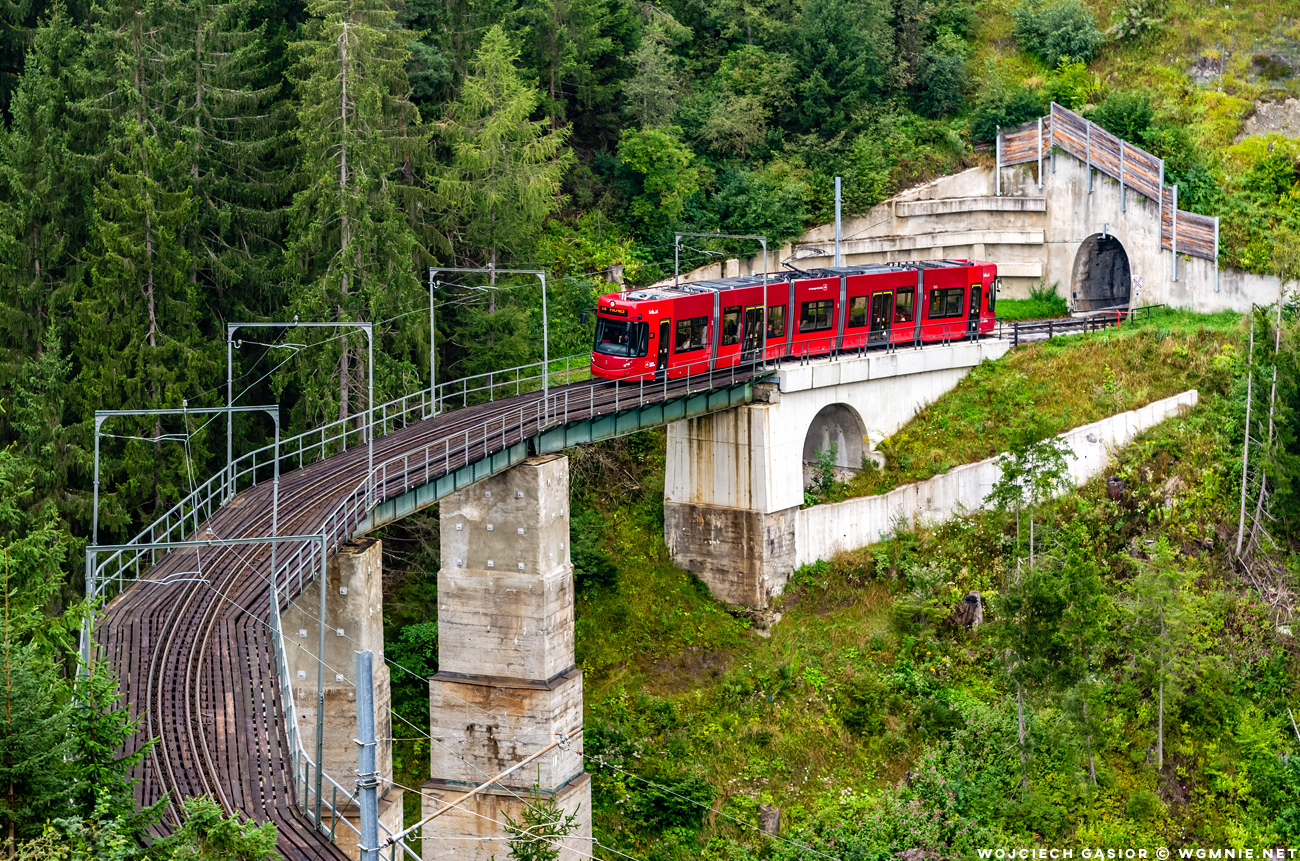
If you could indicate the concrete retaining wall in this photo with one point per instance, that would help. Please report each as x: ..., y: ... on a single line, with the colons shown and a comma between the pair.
x: 825, y: 530
x: 1034, y: 234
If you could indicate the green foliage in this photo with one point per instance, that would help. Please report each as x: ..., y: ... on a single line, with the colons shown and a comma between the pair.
x: 942, y: 83
x: 100, y: 727
x: 1057, y: 29
x: 1005, y: 108
x: 1072, y: 84
x: 663, y: 175
x: 32, y: 741
x: 592, y: 567
x: 841, y: 54
x: 662, y: 803
x: 206, y: 834
x: 1136, y: 19
x: 1127, y: 114
x: 538, y: 834
x: 352, y: 244
x: 823, y: 474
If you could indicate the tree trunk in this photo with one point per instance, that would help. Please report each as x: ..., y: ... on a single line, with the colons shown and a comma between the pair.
x: 1021, y: 735
x: 1160, y: 725
x: 1087, y: 733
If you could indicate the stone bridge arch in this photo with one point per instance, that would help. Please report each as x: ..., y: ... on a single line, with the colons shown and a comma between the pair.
x: 841, y: 426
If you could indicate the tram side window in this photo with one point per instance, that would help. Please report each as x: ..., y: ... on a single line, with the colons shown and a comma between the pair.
x: 691, y: 334
x: 775, y: 322
x: 731, y: 326
x: 857, y: 312
x: 947, y: 303
x: 993, y: 294
x: 815, y: 316
x: 904, y: 306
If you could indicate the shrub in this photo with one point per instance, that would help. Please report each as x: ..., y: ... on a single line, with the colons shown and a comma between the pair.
x: 592, y: 568
x: 863, y: 711
x: 942, y: 80
x: 1056, y: 29
x: 667, y: 803
x: 1127, y: 114
x: 1135, y: 19
x: 1006, y: 109
x: 1072, y: 84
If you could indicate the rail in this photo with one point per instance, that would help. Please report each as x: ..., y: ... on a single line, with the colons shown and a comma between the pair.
x: 302, y: 766
x: 1020, y: 330
x: 185, y: 517
x: 111, y: 571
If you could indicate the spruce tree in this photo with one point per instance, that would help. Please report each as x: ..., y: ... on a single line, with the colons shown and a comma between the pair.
x: 353, y: 251
x: 100, y: 728
x: 501, y: 182
x: 138, y: 321
x: 32, y: 720
x: 231, y: 128
x: 41, y: 201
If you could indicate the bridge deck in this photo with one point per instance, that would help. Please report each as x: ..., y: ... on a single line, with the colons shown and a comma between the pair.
x: 195, y: 656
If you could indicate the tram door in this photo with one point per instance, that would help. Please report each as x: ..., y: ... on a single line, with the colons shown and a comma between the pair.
x: 753, y: 337
x: 882, y: 311
x: 973, y: 315
x: 665, y: 333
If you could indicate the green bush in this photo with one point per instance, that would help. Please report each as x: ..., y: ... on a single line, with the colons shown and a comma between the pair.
x: 1056, y: 29
x: 592, y: 567
x: 668, y: 803
x: 1072, y: 84
x: 1126, y: 114
x: 1006, y: 109
x: 942, y: 79
x: 1135, y: 19
x: 863, y: 705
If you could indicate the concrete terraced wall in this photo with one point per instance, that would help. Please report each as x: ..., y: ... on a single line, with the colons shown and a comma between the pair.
x: 1034, y: 235
x: 825, y: 530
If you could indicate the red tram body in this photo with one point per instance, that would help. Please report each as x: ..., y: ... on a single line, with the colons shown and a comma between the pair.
x: 720, y: 323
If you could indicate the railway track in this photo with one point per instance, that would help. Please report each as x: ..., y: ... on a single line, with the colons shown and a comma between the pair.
x: 191, y: 644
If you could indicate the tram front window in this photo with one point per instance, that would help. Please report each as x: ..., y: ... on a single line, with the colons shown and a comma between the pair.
x: 620, y: 338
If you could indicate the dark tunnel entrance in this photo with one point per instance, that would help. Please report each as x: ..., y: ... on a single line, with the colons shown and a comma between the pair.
x: 1102, y: 279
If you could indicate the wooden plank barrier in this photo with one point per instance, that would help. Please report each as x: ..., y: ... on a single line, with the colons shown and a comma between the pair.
x: 1137, y: 169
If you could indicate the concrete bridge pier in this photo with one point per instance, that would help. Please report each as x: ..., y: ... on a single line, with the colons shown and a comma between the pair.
x: 507, y: 685
x: 354, y: 613
x: 735, y: 480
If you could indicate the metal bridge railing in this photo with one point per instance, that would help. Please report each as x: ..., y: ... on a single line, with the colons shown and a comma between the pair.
x: 183, y: 520
x: 302, y: 768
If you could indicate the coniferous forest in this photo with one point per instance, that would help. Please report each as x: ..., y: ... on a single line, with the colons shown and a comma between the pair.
x: 169, y: 167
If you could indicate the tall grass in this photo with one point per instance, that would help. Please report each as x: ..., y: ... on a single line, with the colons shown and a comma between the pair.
x: 1056, y: 385
x: 1043, y: 303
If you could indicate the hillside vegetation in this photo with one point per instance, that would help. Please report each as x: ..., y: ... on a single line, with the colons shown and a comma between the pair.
x: 1051, y: 386
x: 878, y: 724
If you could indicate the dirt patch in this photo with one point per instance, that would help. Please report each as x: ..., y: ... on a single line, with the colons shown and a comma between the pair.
x: 1281, y: 118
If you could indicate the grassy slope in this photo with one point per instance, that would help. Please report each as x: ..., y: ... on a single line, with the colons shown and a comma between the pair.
x: 1062, y: 383
x: 685, y: 694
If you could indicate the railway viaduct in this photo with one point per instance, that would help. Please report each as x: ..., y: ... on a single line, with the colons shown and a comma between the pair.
x: 233, y: 659
x: 237, y: 656
x: 1066, y: 203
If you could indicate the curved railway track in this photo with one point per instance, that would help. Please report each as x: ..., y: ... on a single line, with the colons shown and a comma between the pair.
x: 190, y: 641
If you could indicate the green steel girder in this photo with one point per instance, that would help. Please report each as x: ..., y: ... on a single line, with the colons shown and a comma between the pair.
x: 632, y: 420
x: 555, y: 439
x: 427, y: 494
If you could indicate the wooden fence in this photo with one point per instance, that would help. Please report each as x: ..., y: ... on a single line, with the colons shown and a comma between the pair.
x: 1133, y: 167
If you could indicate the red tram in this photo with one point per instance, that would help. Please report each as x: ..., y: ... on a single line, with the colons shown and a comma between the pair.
x: 720, y: 323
